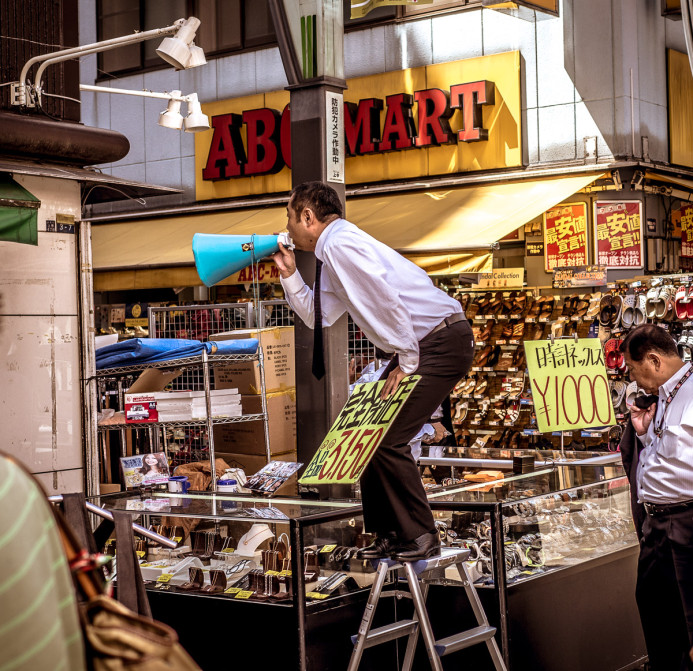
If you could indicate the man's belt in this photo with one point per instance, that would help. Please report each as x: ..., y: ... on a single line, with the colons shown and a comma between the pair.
x: 667, y: 508
x: 448, y: 321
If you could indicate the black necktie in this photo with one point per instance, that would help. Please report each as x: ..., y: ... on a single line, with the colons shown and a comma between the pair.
x: 318, y: 356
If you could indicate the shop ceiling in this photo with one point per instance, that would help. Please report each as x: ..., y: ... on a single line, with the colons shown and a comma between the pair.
x: 445, y: 231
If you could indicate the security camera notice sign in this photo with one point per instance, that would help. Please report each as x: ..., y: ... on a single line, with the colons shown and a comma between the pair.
x: 356, y: 434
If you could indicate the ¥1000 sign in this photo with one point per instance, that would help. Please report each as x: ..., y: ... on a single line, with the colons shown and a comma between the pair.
x: 569, y: 384
x: 356, y: 433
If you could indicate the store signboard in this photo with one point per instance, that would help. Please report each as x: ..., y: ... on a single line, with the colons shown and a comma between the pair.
x: 501, y: 278
x: 356, y: 434
x: 686, y: 221
x: 618, y: 234
x: 586, y: 276
x: 565, y: 236
x: 569, y: 384
x: 461, y: 116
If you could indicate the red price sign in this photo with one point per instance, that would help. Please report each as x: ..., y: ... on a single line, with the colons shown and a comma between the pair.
x: 618, y: 233
x: 565, y: 236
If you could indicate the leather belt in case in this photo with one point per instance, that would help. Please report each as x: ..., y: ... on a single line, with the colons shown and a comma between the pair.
x: 667, y: 508
x: 448, y: 321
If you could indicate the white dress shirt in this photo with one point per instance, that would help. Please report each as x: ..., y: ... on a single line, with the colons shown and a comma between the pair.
x: 665, y: 465
x: 389, y: 298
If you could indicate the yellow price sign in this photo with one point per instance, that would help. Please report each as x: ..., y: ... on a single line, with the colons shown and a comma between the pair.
x: 286, y: 574
x: 141, y: 554
x: 244, y: 594
x: 165, y: 577
x: 356, y: 433
x: 271, y: 572
x: 328, y: 548
x: 228, y: 550
x: 569, y: 384
x: 316, y: 595
x: 232, y: 590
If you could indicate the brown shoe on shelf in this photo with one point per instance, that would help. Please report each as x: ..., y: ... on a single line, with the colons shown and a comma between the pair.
x: 482, y: 356
x: 538, y: 332
x: 485, y: 333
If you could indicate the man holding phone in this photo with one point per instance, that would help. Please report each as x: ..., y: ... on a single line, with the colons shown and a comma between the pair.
x: 664, y: 589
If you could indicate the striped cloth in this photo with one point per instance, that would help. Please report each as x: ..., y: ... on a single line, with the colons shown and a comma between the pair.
x: 39, y: 625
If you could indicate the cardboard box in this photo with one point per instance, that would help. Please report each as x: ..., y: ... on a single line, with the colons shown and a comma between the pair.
x: 252, y: 463
x: 249, y: 437
x: 278, y: 349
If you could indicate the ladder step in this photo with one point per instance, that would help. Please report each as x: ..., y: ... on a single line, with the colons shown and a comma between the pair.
x: 464, y: 639
x: 388, y: 633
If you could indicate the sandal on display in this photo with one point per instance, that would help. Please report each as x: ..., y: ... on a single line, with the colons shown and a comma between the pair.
x: 651, y: 302
x: 681, y: 303
x: 582, y: 306
x: 605, y: 310
x: 505, y: 360
x: 593, y: 309
x: 611, y: 353
x: 662, y: 305
x: 535, y: 309
x: 519, y: 329
x: 616, y: 309
x: 538, y: 332
x: 508, y: 329
x: 569, y: 306
x: 512, y: 413
x: 628, y: 312
x: 482, y: 357
x: 485, y: 333
x: 480, y: 386
x: 461, y: 410
x: 546, y: 308
x: 640, y: 309
x: 557, y: 328
x: 519, y: 305
x: 493, y: 357
x: 618, y: 394
x: 690, y: 303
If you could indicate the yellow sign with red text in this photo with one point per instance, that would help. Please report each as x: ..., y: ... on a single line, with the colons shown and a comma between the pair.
x: 356, y: 434
x: 462, y: 116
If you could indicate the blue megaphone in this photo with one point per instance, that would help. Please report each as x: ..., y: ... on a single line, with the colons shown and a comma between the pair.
x: 218, y: 256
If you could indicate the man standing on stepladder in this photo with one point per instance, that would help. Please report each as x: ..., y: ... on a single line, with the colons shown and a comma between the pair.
x: 399, y: 310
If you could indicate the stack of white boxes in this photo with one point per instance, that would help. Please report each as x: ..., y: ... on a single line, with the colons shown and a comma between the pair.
x: 181, y: 406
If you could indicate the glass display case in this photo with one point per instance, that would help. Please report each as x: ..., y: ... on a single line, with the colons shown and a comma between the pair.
x: 282, y: 572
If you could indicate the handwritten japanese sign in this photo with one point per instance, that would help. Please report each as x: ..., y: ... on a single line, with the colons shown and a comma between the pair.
x: 356, y: 433
x: 565, y: 236
x: 569, y: 384
x: 618, y: 234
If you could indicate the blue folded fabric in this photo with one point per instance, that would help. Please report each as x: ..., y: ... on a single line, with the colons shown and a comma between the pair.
x: 145, y: 350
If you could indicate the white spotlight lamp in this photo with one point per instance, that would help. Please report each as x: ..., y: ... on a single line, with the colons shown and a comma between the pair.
x: 171, y: 116
x: 196, y: 121
x: 176, y: 50
x: 197, y: 57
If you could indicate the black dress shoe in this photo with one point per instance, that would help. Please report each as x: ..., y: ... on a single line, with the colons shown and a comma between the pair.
x: 382, y: 546
x: 425, y: 546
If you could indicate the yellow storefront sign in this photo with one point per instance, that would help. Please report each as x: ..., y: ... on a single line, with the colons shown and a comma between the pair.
x: 569, y: 384
x: 356, y: 434
x: 456, y: 117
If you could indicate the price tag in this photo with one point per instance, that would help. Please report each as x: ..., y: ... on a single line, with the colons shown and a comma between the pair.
x: 316, y: 595
x: 165, y: 577
x: 228, y: 550
x: 328, y: 548
x: 285, y: 573
x: 141, y: 554
x: 271, y: 572
x: 232, y: 590
x: 244, y: 594
x: 178, y: 539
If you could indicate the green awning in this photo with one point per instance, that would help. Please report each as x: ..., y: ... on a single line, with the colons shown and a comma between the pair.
x: 18, y: 213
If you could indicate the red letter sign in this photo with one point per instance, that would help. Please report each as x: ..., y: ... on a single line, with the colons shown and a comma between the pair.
x: 226, y: 153
x: 399, y: 122
x: 469, y: 98
x: 263, y: 141
x: 362, y: 126
x: 434, y: 115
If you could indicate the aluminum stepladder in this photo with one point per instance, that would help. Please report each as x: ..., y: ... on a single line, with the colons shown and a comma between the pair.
x: 418, y: 591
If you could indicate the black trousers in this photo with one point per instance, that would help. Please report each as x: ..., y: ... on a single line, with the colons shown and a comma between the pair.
x: 664, y: 589
x: 393, y: 496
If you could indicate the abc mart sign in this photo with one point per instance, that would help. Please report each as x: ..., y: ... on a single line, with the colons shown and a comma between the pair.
x: 440, y: 119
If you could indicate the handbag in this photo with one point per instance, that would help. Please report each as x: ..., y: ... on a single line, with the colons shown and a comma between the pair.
x: 115, y: 637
